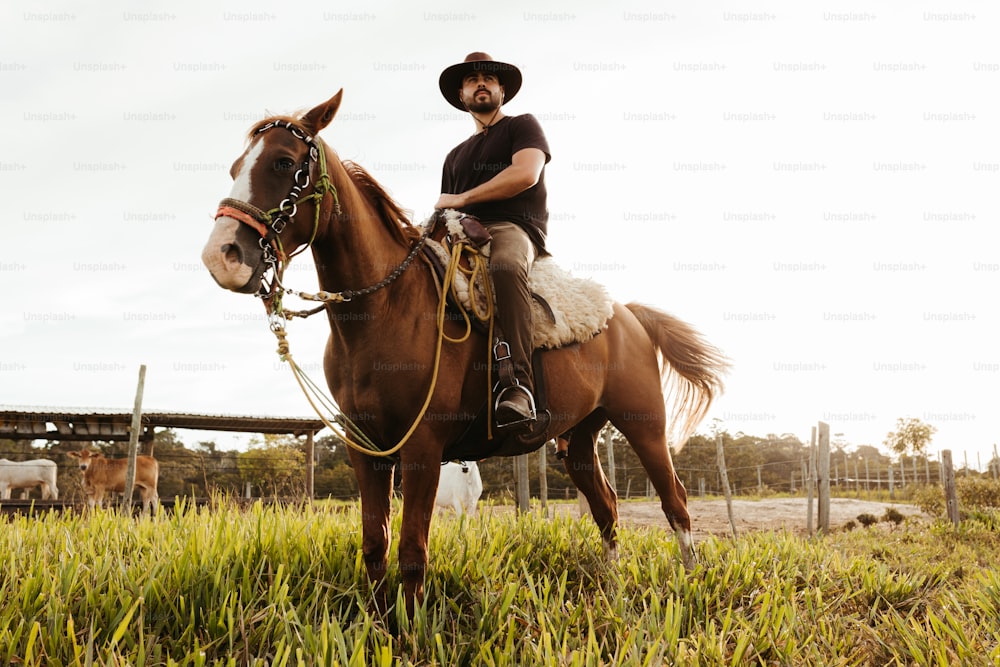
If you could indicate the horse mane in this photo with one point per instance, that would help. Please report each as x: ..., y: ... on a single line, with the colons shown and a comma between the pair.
x: 392, y: 214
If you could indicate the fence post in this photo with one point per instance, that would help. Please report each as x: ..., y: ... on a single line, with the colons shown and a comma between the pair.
x: 950, y: 494
x: 133, y: 440
x: 857, y: 479
x: 543, y: 479
x: 609, y: 445
x: 310, y: 466
x: 725, y: 482
x: 521, y: 476
x: 892, y: 483
x: 809, y: 483
x: 823, y: 476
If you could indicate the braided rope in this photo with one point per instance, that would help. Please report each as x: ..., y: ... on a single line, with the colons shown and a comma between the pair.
x: 312, y: 391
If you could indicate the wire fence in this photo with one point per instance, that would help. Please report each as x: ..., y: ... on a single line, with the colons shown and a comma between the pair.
x: 193, y: 473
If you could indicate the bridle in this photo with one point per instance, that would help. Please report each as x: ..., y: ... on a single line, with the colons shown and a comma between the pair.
x: 270, y: 224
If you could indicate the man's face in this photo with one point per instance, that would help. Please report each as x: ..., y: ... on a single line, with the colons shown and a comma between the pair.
x: 482, y: 92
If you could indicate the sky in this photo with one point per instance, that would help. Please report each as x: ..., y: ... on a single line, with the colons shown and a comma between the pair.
x: 811, y: 185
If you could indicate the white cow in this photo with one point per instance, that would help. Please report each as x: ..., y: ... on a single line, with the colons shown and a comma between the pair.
x: 459, y: 487
x: 27, y: 475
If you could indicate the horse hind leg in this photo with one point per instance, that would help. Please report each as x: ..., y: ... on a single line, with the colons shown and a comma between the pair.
x: 649, y: 441
x: 584, y: 468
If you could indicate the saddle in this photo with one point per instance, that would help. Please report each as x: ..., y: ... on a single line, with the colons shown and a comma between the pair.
x: 566, y: 310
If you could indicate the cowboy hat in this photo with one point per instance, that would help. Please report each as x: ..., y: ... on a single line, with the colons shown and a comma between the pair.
x: 450, y: 81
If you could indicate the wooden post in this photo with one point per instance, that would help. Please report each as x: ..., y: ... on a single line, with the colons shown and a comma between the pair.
x: 823, y: 477
x: 133, y: 440
x: 760, y: 484
x: 950, y: 494
x: 725, y: 482
x: 892, y: 483
x: 810, y: 483
x: 867, y: 477
x: 609, y: 445
x: 857, y: 479
x: 310, y: 466
x: 996, y: 462
x: 543, y: 480
x: 582, y: 503
x: 521, y: 475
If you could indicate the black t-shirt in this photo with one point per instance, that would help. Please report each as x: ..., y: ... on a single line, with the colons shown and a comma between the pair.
x: 482, y: 156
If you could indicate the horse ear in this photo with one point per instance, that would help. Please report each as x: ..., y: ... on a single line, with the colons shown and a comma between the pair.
x: 320, y: 116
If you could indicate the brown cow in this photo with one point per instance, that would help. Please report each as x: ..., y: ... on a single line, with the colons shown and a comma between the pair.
x: 101, y: 475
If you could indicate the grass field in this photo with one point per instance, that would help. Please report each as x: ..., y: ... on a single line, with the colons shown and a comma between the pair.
x: 286, y: 586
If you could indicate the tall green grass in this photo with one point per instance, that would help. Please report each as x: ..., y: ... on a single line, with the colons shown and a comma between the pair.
x: 286, y: 586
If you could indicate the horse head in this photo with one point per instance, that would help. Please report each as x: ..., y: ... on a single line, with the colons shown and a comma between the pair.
x: 280, y: 185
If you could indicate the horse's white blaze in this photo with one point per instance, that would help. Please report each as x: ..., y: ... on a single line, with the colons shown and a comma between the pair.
x: 231, y: 274
x: 242, y: 189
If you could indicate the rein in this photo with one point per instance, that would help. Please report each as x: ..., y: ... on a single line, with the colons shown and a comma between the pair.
x: 316, y: 395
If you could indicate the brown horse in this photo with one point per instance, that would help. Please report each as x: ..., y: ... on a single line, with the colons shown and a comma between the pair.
x: 291, y: 192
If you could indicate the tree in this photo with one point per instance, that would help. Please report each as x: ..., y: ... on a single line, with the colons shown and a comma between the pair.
x: 276, y: 464
x: 911, y: 436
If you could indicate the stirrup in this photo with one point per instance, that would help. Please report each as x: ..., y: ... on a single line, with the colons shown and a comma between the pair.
x: 533, y: 415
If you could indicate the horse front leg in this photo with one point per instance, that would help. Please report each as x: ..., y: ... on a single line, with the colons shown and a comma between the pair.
x: 420, y: 481
x: 584, y: 467
x: 374, y: 475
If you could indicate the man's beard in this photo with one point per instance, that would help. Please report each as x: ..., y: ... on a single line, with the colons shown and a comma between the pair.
x: 484, y: 106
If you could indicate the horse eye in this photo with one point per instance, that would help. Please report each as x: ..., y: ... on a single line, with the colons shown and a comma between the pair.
x: 284, y: 164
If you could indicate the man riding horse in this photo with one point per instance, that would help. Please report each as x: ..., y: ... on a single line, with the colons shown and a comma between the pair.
x: 498, y: 176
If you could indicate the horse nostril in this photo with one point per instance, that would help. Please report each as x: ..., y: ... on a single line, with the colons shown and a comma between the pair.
x: 231, y: 253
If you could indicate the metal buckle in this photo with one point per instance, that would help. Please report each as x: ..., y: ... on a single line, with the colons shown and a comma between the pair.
x: 496, y: 350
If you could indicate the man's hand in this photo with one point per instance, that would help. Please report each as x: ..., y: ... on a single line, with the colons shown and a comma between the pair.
x: 450, y: 201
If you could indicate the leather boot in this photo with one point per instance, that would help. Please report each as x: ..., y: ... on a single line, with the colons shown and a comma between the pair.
x: 515, y: 407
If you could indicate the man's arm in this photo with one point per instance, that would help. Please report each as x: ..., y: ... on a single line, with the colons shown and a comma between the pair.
x: 524, y: 170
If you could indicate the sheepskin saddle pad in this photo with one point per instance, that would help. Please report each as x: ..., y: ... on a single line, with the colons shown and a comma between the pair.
x: 565, y: 310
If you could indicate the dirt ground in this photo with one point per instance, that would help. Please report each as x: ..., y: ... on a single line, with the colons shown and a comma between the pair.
x: 709, y: 517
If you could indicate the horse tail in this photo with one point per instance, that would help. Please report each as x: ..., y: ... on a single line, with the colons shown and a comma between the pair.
x: 691, y: 369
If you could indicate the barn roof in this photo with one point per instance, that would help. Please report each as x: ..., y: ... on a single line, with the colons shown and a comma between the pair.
x: 68, y: 424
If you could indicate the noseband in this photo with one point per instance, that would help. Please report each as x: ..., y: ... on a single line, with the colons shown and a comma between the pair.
x: 269, y: 224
